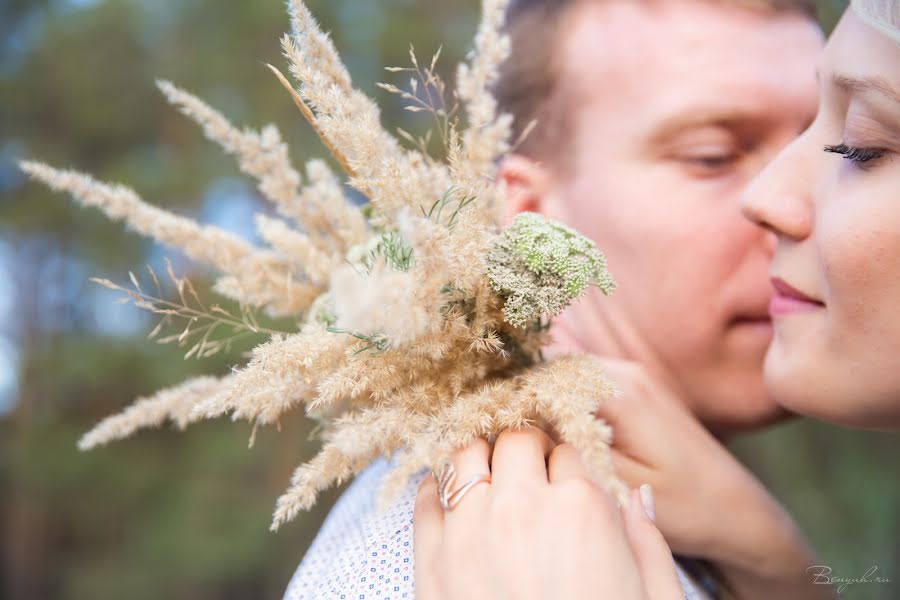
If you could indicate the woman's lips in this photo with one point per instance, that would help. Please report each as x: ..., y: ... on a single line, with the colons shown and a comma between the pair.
x: 789, y: 300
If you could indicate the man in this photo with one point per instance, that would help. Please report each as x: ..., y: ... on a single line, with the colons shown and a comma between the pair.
x: 647, y: 150
x: 652, y: 116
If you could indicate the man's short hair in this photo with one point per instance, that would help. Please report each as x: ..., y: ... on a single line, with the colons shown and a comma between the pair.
x: 528, y: 87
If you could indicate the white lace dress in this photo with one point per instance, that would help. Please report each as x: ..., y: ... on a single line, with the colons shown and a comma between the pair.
x: 363, y: 554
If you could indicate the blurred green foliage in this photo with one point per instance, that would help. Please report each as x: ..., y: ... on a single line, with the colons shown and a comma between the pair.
x: 166, y: 515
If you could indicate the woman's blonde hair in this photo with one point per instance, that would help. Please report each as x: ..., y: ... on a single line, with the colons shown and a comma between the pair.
x: 883, y: 15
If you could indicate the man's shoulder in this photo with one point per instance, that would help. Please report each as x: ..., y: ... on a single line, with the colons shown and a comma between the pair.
x: 360, y: 551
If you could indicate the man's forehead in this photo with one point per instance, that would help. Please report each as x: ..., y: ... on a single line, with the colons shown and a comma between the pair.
x: 635, y: 50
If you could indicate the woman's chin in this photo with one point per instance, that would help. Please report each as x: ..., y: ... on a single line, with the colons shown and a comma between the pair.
x: 809, y: 392
x: 810, y: 382
x: 794, y: 384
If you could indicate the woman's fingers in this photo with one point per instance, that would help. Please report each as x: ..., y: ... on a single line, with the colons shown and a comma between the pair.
x: 654, y: 558
x: 469, y: 462
x: 630, y: 470
x: 565, y: 463
x: 640, y: 395
x: 520, y: 457
x: 437, y: 532
x: 546, y: 535
x: 428, y: 516
x: 428, y: 524
x: 472, y: 460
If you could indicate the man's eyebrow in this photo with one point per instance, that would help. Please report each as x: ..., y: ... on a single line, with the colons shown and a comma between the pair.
x: 866, y: 84
x: 705, y: 117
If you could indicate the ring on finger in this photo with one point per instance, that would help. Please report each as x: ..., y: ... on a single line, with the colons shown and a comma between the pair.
x: 446, y: 477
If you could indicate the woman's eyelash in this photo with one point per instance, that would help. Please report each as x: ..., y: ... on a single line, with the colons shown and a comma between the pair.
x: 857, y: 155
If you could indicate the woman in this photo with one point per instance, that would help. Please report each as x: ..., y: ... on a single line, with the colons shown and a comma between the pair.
x: 832, y: 198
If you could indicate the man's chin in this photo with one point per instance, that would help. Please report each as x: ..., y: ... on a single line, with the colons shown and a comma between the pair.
x: 744, y: 419
x: 750, y: 335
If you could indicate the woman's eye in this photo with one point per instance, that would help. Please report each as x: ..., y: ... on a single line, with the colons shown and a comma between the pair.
x: 857, y: 156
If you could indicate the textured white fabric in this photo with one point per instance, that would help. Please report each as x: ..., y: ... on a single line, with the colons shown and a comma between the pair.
x: 363, y: 554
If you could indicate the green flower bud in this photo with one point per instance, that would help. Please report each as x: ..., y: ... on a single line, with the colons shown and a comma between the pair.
x: 540, y: 266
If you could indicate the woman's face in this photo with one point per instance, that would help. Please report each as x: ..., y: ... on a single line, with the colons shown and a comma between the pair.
x: 833, y: 200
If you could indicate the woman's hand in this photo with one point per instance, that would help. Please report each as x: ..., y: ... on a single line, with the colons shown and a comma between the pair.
x: 709, y: 504
x: 540, y: 529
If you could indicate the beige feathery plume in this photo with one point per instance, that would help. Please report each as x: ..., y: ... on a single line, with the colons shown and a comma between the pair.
x: 487, y: 136
x: 406, y: 346
x: 206, y: 244
x: 173, y: 404
x: 383, y: 302
x: 567, y: 392
x: 456, y: 425
x: 262, y: 155
x: 356, y: 440
x: 327, y: 217
x: 350, y: 124
x: 474, y: 79
x: 298, y: 249
x: 282, y: 373
x: 261, y: 278
x: 319, y: 52
x: 564, y: 394
x: 342, y: 219
x: 390, y: 177
x: 280, y: 292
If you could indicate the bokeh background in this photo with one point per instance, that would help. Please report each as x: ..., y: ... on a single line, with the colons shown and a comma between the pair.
x: 167, y: 515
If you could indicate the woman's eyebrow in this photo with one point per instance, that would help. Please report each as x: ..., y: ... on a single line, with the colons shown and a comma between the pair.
x: 866, y: 84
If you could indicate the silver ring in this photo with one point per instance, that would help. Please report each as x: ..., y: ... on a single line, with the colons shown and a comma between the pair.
x: 445, y: 479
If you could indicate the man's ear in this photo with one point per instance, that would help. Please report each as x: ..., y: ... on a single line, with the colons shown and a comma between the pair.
x: 529, y: 186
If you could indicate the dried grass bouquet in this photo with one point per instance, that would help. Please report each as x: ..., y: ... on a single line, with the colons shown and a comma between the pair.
x: 419, y: 320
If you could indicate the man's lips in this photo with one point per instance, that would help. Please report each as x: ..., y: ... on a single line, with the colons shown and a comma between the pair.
x: 751, y: 309
x: 755, y: 314
x: 751, y: 319
x: 789, y: 300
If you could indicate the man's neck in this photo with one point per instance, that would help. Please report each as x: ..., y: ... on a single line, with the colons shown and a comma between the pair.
x: 584, y: 328
x: 595, y: 325
x: 564, y: 340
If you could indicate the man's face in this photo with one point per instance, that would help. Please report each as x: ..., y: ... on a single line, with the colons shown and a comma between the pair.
x: 675, y: 107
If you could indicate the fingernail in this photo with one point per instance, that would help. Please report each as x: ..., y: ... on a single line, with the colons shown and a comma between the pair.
x: 647, y: 502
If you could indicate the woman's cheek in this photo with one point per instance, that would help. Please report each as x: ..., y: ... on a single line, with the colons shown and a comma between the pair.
x: 859, y: 244
x: 851, y: 248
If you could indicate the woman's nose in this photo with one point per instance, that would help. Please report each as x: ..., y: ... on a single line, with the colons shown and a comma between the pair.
x: 779, y: 198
